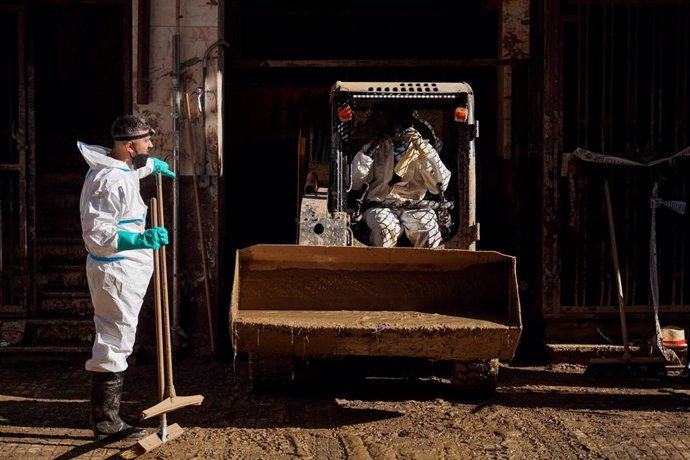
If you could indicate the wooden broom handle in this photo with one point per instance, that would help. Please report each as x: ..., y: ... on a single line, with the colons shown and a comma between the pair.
x: 159, y: 313
x: 164, y: 281
x: 619, y: 284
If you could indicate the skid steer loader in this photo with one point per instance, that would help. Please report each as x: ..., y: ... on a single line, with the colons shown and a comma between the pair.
x: 334, y: 295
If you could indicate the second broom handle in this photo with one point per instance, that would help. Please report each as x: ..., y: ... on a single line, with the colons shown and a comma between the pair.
x: 164, y: 281
x: 619, y: 284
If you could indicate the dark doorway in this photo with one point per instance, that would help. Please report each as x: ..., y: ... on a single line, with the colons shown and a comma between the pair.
x: 79, y: 54
x: 276, y: 94
x: 13, y: 165
x: 81, y: 57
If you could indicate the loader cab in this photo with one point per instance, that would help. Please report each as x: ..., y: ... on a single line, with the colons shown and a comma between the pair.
x: 443, y: 113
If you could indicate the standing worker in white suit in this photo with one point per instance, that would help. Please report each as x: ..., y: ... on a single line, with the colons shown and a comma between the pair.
x: 119, y: 263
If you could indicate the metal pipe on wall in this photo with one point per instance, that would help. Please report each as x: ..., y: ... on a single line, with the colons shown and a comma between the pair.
x: 204, y: 75
x: 177, y: 99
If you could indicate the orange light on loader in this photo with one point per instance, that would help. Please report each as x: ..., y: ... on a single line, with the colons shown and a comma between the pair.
x: 345, y: 113
x: 461, y: 114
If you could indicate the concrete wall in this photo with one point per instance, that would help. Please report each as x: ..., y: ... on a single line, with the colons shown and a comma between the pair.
x: 198, y: 30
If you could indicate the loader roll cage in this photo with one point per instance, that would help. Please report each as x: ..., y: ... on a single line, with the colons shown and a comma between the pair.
x: 443, y: 113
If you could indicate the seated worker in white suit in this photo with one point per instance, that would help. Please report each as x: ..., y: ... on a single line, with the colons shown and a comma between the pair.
x: 399, y: 169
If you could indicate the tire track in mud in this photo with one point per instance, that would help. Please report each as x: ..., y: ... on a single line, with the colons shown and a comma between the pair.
x: 380, y: 451
x: 354, y: 447
x: 301, y: 447
x: 328, y: 447
x: 654, y: 436
x: 364, y: 447
x: 531, y: 433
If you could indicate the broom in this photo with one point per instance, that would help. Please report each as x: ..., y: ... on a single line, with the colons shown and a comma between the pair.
x: 164, y: 349
x: 625, y: 366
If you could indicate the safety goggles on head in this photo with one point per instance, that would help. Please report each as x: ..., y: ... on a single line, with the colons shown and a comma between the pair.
x: 134, y: 137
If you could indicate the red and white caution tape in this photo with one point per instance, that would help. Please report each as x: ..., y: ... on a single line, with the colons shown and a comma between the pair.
x: 586, y: 155
x: 679, y: 207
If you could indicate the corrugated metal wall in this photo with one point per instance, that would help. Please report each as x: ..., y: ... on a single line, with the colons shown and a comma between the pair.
x: 626, y: 79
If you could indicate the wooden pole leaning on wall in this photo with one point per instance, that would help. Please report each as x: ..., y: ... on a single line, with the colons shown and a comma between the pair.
x: 199, y: 225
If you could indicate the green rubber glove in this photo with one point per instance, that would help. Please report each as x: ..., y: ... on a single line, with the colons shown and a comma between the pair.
x: 152, y: 238
x: 161, y: 167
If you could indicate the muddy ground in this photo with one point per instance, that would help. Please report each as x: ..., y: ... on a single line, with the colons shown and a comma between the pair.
x: 537, y: 412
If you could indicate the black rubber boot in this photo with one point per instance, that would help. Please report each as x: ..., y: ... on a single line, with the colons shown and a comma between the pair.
x: 106, y: 393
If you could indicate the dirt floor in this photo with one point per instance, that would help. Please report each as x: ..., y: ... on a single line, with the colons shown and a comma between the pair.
x: 537, y: 412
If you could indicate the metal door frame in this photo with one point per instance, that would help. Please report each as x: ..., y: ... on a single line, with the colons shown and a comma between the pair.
x: 24, y: 169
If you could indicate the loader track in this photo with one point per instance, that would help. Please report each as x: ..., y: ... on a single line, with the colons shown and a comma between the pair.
x: 477, y: 378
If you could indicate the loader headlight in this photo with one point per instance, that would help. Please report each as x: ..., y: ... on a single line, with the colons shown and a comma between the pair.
x: 461, y: 114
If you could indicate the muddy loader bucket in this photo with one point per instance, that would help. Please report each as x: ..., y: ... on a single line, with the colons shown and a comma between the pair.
x: 453, y: 305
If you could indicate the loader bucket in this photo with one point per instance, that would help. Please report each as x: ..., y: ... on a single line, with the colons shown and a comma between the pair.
x: 458, y: 305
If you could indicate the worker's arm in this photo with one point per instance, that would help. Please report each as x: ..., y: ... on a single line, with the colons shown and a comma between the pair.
x: 436, y: 174
x: 151, y: 238
x: 99, y: 217
x: 362, y: 165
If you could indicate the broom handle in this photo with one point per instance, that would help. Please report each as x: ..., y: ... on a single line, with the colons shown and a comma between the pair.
x: 159, y: 319
x: 619, y: 284
x: 164, y: 280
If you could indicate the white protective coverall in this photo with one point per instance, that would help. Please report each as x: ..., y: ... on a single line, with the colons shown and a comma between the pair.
x: 420, y: 169
x: 118, y: 280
